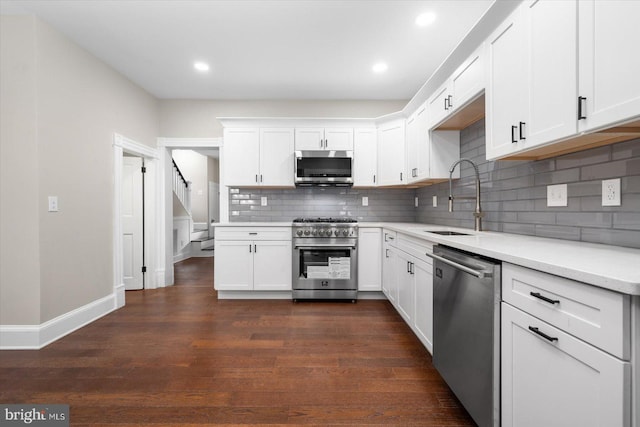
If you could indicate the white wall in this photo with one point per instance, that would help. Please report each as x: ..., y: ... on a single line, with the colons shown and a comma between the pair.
x: 19, y: 225
x: 197, y: 118
x: 80, y: 104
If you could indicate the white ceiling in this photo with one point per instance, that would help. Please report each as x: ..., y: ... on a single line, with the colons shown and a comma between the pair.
x: 294, y: 49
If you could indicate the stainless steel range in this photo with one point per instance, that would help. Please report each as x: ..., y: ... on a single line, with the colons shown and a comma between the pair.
x: 325, y: 261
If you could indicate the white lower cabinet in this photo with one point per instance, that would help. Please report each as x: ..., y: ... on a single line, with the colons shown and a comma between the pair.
x: 247, y: 263
x: 369, y: 261
x: 407, y: 282
x: 557, y: 380
x: 554, y: 369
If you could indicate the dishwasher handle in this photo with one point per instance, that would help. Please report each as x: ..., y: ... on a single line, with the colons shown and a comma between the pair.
x: 479, y: 274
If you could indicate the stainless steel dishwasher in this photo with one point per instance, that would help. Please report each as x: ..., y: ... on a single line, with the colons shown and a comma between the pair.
x: 466, y: 330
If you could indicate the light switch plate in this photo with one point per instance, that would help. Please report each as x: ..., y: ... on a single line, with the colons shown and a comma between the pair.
x: 557, y: 195
x: 365, y: 201
x: 416, y: 201
x: 263, y: 201
x: 434, y: 201
x: 611, y: 192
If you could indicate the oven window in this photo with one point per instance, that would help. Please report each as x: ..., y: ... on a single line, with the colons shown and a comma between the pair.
x: 325, y: 263
x: 330, y: 167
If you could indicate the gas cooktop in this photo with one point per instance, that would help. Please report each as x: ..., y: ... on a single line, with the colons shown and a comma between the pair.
x: 323, y: 220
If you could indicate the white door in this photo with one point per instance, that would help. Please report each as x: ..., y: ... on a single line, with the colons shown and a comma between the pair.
x: 389, y: 276
x: 552, y: 69
x: 234, y: 265
x: 272, y: 266
x: 309, y: 139
x: 423, y: 319
x: 438, y: 104
x: 406, y: 287
x: 609, y: 61
x: 276, y: 157
x: 391, y: 155
x: 241, y: 157
x: 365, y: 155
x: 214, y: 205
x: 369, y: 260
x: 468, y: 80
x: 132, y: 241
x: 552, y: 379
x: 506, y: 92
x: 338, y: 139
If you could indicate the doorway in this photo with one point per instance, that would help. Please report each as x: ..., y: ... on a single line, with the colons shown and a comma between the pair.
x: 133, y: 248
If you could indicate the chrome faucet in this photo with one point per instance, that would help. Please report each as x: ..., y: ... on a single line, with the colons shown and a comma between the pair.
x: 477, y: 214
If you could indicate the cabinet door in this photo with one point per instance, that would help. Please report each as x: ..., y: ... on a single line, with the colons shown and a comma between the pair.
x: 272, y: 265
x: 609, y: 61
x: 564, y: 382
x: 391, y: 155
x: 406, y: 287
x: 417, y: 141
x: 234, y: 265
x: 551, y: 66
x: 423, y: 319
x: 276, y: 157
x: 389, y: 276
x: 369, y: 259
x: 468, y: 80
x: 309, y: 139
x: 365, y: 157
x: 506, y: 90
x: 438, y: 104
x: 338, y: 139
x: 241, y: 157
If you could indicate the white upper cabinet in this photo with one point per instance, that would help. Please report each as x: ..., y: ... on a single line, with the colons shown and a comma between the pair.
x: 324, y: 139
x: 558, y: 68
x: 391, y: 153
x: 276, y: 157
x: 254, y: 157
x: 465, y: 84
x: 365, y: 158
x: 242, y: 157
x: 609, y: 62
x: 531, y: 96
x: 418, y: 146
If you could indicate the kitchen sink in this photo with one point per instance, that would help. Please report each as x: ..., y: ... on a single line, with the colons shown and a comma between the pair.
x: 448, y: 233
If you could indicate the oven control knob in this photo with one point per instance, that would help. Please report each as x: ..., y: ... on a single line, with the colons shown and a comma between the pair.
x: 336, y: 232
x: 320, y: 232
x: 345, y: 233
x: 306, y: 232
x: 299, y: 232
x: 313, y: 232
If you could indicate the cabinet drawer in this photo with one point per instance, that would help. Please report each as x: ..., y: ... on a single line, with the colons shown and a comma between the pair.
x: 253, y: 233
x: 389, y: 237
x: 598, y: 316
x: 415, y: 247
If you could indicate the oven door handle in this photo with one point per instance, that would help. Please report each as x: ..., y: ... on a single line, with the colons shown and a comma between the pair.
x: 324, y: 245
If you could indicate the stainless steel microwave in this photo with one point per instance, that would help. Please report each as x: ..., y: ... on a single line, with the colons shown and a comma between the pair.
x: 323, y: 168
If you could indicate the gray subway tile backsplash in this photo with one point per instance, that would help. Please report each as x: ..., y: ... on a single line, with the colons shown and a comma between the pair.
x: 514, y: 196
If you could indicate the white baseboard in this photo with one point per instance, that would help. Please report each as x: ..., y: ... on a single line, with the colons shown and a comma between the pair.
x: 35, y: 337
x: 119, y: 293
x: 161, y: 281
x: 186, y: 254
x: 371, y: 295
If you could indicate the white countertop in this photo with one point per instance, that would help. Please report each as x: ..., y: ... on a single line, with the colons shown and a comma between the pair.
x: 610, y: 267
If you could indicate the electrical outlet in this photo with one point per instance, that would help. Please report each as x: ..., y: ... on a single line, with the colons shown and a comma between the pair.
x: 416, y: 202
x: 434, y: 201
x: 53, y: 203
x: 263, y: 201
x: 365, y: 201
x: 557, y: 195
x: 611, y: 192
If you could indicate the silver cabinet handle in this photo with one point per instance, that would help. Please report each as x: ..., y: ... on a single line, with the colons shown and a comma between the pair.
x: 479, y: 274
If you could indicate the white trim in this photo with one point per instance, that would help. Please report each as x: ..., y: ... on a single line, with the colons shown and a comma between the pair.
x: 133, y: 147
x: 119, y: 293
x: 164, y: 200
x: 35, y: 337
x: 295, y: 122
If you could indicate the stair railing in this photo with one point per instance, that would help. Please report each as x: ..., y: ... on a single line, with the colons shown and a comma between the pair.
x: 181, y: 187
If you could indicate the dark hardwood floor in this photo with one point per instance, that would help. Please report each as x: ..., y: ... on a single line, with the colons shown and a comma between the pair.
x: 179, y: 356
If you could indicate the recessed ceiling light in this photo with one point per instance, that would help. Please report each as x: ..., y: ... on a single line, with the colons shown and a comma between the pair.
x: 425, y: 19
x: 380, y: 67
x: 201, y: 66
